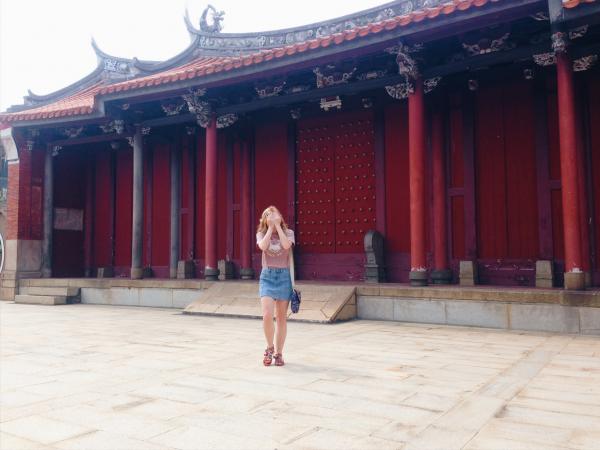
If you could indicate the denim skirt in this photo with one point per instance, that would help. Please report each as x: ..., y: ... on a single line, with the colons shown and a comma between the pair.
x: 275, y: 283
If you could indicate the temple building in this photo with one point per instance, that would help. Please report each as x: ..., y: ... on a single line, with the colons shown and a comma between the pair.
x: 421, y: 142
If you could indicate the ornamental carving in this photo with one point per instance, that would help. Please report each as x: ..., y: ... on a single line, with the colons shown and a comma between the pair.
x: 473, y: 85
x: 269, y: 90
x: 431, y: 83
x: 72, y: 132
x: 55, y: 150
x: 200, y: 108
x: 226, y: 120
x: 584, y: 63
x: 328, y: 103
x: 400, y: 91
x: 172, y: 108
x: 332, y: 77
x: 367, y: 102
x: 114, y: 126
x: 487, y: 45
x: 407, y: 66
x: 559, y: 42
x: 211, y: 39
x: 216, y: 19
x: 545, y: 59
x: 578, y: 32
x: 540, y: 16
x: 190, y: 131
x: 295, y: 113
x: 130, y: 141
x: 528, y: 74
x: 371, y: 75
x: 146, y: 131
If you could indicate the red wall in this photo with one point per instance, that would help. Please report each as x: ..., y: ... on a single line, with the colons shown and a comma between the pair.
x: 594, y: 122
x: 507, y: 217
x: 271, y: 169
x: 397, y: 202
x: 123, y: 207
x: 200, y: 190
x: 221, y: 194
x: 102, y: 208
x: 161, y: 200
x: 456, y: 180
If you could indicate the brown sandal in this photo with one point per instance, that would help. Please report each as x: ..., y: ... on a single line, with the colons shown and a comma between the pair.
x: 278, y: 359
x: 268, y: 356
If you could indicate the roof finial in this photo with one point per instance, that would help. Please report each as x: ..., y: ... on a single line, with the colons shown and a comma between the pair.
x: 217, y: 18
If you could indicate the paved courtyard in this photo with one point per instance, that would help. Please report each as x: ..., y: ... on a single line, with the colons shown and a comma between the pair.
x: 103, y: 377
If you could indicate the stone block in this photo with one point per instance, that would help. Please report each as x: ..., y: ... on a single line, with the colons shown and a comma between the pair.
x: 226, y: 270
x: 105, y: 272
x: 468, y: 273
x: 159, y: 298
x: 147, y: 272
x: 419, y: 310
x: 589, y: 320
x: 554, y: 318
x: 186, y: 269
x: 124, y: 296
x: 418, y: 277
x: 544, y: 274
x: 375, y: 308
x: 183, y: 297
x: 477, y: 314
x: 575, y: 280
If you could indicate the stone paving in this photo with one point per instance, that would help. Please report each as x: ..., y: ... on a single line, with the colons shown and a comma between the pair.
x: 93, y: 377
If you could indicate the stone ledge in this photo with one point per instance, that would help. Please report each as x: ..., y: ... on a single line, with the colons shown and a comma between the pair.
x: 543, y: 317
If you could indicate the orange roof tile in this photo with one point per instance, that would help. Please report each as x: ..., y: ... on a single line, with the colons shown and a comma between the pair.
x: 573, y: 3
x: 83, y: 102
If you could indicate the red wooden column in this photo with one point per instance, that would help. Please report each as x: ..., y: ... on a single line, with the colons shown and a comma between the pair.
x: 574, y: 275
x: 416, y: 165
x: 440, y: 274
x: 246, y: 272
x: 211, y: 271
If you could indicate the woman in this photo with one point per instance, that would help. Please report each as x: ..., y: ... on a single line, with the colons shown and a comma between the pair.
x: 275, y: 240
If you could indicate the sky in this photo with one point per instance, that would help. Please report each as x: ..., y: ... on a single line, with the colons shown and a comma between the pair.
x: 45, y: 44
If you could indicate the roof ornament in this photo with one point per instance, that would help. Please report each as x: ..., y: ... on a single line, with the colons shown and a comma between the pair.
x: 217, y: 18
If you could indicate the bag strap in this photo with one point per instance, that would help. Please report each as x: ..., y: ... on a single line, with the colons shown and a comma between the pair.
x: 292, y: 271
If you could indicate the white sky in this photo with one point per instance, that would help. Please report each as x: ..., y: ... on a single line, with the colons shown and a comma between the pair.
x: 45, y: 44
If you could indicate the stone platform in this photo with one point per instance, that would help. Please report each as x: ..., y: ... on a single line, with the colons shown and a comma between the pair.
x: 513, y: 308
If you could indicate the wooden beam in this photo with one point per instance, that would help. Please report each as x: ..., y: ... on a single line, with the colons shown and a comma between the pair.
x: 91, y: 139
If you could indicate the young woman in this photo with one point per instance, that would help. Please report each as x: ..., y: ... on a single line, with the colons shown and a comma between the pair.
x: 275, y: 240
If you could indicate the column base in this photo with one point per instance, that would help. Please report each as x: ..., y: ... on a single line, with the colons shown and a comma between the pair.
x: 418, y: 277
x: 136, y: 273
x: 211, y: 274
x: 575, y: 280
x: 247, y: 273
x: 468, y: 273
x: 147, y: 272
x: 443, y: 276
x: 46, y: 273
x: 186, y: 269
x: 544, y: 274
x: 588, y: 279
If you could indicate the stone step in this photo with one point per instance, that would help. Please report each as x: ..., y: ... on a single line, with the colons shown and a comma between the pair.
x: 41, y: 299
x: 50, y: 290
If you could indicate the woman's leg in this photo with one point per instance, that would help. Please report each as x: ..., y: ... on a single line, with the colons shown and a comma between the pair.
x: 267, y: 312
x: 281, y: 310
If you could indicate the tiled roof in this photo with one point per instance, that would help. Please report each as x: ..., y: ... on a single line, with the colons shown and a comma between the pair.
x: 574, y: 3
x: 82, y: 102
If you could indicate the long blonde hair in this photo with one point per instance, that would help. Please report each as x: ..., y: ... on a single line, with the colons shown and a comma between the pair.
x: 262, y: 224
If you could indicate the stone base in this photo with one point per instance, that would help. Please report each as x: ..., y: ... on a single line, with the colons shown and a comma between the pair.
x: 468, y: 273
x: 147, y: 272
x: 247, y: 273
x: 226, y: 270
x: 575, y: 280
x: 105, y: 272
x: 418, y: 277
x: 186, y: 270
x: 136, y: 273
x: 374, y: 273
x: 211, y: 274
x: 441, y: 276
x: 544, y: 274
x: 588, y: 279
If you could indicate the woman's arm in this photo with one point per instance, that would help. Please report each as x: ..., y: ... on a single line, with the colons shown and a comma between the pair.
x: 285, y: 241
x: 263, y: 244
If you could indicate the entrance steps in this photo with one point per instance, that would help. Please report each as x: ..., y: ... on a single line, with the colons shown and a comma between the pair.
x: 48, y: 295
x: 324, y: 303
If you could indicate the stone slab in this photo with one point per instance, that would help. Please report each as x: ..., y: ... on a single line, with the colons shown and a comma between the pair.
x: 556, y: 318
x: 158, y: 298
x: 40, y: 299
x: 65, y: 291
x: 420, y: 311
x: 479, y: 314
x: 320, y: 303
